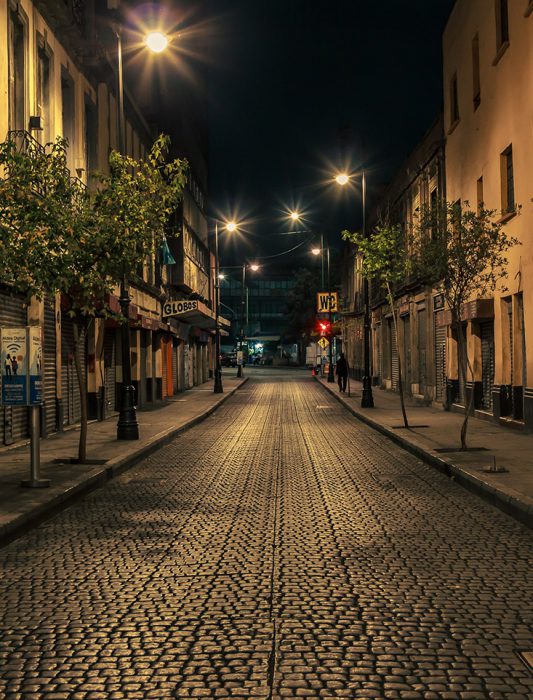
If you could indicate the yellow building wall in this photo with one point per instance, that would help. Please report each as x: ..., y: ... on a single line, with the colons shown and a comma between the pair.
x: 474, y: 144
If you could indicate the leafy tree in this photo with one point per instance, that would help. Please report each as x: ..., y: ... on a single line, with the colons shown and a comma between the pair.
x: 301, y: 310
x: 386, y: 260
x: 58, y: 236
x: 464, y: 252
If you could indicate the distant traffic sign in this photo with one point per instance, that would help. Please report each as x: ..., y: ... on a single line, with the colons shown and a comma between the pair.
x: 323, y: 342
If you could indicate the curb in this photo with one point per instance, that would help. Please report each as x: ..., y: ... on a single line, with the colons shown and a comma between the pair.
x: 26, y: 521
x: 520, y: 510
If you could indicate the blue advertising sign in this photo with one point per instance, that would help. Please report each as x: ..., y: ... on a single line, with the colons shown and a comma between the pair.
x: 21, y: 366
x: 35, y: 365
x: 13, y: 356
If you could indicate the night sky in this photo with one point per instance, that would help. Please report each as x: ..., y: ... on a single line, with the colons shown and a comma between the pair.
x: 298, y: 88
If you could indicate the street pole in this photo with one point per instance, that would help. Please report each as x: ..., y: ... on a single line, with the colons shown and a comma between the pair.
x: 367, y: 399
x: 127, y: 426
x: 241, y: 337
x: 218, y: 388
x: 331, y: 376
x: 35, y: 480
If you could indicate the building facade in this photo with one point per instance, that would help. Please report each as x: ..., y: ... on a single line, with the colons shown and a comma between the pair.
x: 421, y: 333
x: 488, y: 107
x: 55, y: 66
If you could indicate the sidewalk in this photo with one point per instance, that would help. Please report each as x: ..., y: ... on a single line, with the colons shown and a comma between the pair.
x: 22, y: 507
x: 435, y: 429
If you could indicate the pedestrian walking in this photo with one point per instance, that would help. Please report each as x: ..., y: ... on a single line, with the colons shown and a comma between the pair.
x: 341, y: 370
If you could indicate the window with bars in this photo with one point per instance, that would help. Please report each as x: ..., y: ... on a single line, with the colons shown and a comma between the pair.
x: 43, y: 88
x: 17, y: 71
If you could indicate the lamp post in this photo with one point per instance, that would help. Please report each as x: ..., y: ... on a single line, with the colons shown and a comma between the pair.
x: 217, y: 388
x: 367, y: 398
x: 127, y: 426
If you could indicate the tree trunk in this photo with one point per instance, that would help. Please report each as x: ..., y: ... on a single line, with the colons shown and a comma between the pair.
x: 462, y: 363
x: 470, y: 408
x: 400, y: 382
x: 82, y: 446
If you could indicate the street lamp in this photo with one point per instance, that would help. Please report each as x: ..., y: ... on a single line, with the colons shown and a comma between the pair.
x: 127, y: 426
x: 367, y: 399
x: 231, y: 226
x: 156, y: 42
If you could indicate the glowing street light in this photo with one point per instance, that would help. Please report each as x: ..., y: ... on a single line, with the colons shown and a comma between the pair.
x: 295, y: 216
x: 231, y: 226
x: 156, y: 42
x: 254, y: 267
x: 342, y: 179
x: 316, y: 251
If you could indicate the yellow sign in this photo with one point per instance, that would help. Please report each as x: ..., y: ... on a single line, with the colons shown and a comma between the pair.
x: 326, y: 301
x: 323, y: 342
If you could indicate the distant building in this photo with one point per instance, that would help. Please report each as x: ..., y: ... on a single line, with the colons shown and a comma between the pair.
x: 264, y: 308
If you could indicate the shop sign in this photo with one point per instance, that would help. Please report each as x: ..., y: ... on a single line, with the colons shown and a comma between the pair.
x: 176, y: 308
x: 21, y: 358
x: 326, y: 302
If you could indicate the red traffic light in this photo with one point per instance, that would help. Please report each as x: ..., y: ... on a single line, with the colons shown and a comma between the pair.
x: 324, y: 327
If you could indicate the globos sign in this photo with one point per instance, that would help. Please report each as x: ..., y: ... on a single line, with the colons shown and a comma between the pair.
x: 175, y: 308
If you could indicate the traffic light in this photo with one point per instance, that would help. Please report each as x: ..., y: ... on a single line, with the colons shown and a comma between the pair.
x: 324, y: 328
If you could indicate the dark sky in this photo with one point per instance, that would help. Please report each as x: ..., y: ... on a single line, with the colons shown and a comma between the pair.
x: 286, y: 77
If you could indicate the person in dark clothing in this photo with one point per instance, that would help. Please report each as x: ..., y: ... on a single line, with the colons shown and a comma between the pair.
x: 341, y: 370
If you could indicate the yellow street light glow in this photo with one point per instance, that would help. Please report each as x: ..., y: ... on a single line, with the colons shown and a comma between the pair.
x: 231, y: 226
x: 342, y: 179
x: 156, y: 42
x: 295, y: 216
x: 315, y: 251
x: 254, y: 267
x: 221, y: 276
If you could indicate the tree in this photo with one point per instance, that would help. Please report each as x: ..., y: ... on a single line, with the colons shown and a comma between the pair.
x: 301, y: 310
x: 386, y: 260
x: 60, y: 237
x: 464, y: 253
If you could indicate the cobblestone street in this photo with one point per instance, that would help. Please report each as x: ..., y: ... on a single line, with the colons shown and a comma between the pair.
x: 280, y: 549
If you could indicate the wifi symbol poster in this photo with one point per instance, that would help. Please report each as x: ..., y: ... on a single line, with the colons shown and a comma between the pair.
x: 14, y: 361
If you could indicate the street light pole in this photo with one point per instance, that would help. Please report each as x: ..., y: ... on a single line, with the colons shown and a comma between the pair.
x: 127, y: 426
x: 239, y: 367
x: 218, y: 388
x: 331, y: 376
x: 367, y: 399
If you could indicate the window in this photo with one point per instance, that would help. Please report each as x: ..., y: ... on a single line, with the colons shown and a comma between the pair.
x: 502, y: 24
x: 68, y: 114
x: 454, y: 101
x: 91, y: 135
x: 17, y: 70
x: 43, y: 89
x: 479, y: 195
x: 476, y: 87
x: 507, y: 178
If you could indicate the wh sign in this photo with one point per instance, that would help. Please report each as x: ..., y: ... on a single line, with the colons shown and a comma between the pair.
x: 326, y: 301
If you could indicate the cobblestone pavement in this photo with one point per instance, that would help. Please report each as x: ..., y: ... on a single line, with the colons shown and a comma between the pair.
x: 278, y: 550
